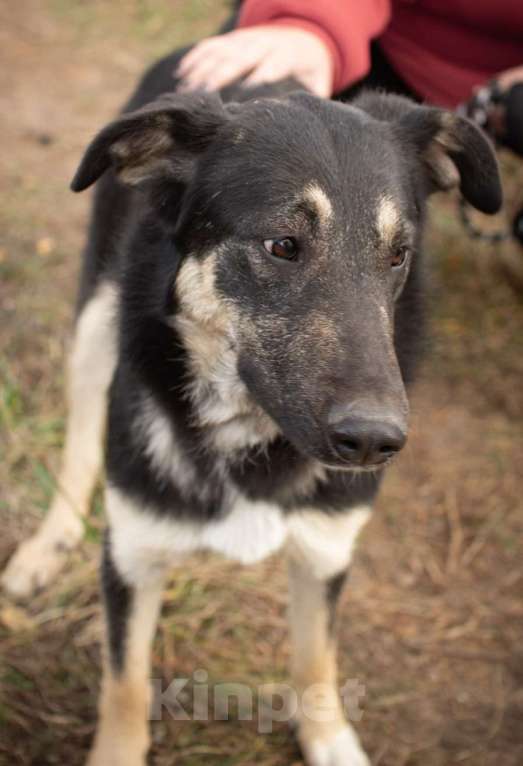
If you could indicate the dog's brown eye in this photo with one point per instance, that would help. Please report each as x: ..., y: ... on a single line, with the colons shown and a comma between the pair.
x: 399, y: 257
x: 285, y: 248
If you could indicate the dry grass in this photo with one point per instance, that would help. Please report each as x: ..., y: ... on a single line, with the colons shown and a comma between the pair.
x: 432, y: 623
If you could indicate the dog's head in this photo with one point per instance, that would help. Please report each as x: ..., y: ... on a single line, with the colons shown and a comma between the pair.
x: 299, y: 221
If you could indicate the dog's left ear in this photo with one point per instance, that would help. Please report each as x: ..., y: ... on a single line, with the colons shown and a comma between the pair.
x: 161, y: 140
x: 455, y: 152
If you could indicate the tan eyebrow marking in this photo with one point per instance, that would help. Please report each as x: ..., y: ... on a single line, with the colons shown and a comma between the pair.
x: 314, y: 194
x: 388, y: 219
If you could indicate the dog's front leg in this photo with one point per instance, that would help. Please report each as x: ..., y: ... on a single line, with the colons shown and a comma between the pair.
x: 38, y: 560
x: 131, y: 611
x: 319, y: 554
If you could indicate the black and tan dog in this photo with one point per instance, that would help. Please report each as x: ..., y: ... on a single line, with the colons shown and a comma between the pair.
x: 249, y: 315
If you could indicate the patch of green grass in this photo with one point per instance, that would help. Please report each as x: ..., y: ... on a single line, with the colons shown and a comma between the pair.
x: 12, y: 408
x: 97, y: 505
x: 18, y: 680
x: 94, y: 523
x: 44, y: 482
x: 49, y: 431
x: 4, y: 714
x: 157, y: 27
x: 92, y: 533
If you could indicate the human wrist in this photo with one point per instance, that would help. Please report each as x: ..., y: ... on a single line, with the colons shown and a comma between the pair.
x: 332, y: 59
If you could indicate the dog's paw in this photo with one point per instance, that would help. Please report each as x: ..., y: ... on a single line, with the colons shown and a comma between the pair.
x: 340, y: 749
x: 110, y: 757
x: 113, y: 747
x: 98, y: 757
x: 32, y: 567
x: 37, y: 561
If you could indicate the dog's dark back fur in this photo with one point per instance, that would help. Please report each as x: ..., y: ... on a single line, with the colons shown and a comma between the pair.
x: 308, y: 338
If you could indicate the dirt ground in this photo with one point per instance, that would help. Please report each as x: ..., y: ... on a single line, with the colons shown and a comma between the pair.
x: 431, y: 624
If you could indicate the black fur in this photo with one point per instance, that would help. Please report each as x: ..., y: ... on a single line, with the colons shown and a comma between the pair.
x: 118, y: 597
x: 334, y: 587
x: 228, y: 175
x: 229, y: 384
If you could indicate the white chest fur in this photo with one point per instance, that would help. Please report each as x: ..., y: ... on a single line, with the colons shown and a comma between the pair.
x: 143, y: 543
x: 141, y: 539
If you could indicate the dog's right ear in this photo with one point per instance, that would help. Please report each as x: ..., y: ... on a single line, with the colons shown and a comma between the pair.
x: 161, y: 140
x: 452, y: 150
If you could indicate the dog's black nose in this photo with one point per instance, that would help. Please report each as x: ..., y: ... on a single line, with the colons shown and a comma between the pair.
x: 365, y: 442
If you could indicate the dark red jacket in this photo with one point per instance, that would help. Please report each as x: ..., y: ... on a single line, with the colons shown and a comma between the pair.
x: 441, y: 48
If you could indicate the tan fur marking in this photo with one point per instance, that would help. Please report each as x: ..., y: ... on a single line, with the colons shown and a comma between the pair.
x: 446, y: 136
x: 315, y: 195
x: 323, y: 327
x: 122, y: 735
x: 208, y: 326
x: 320, y: 547
x: 142, y: 155
x: 444, y: 172
x: 313, y: 663
x: 314, y: 652
x: 388, y: 219
x: 198, y: 298
x: 149, y: 143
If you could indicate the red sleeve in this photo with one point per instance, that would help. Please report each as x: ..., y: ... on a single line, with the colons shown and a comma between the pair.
x: 345, y: 26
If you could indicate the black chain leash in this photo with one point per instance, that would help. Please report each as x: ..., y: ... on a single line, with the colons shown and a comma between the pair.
x: 475, y: 232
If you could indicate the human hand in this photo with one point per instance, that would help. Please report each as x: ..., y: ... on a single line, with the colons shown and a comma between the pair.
x: 259, y: 54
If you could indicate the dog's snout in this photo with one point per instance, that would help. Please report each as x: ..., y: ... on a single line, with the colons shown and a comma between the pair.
x: 363, y: 441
